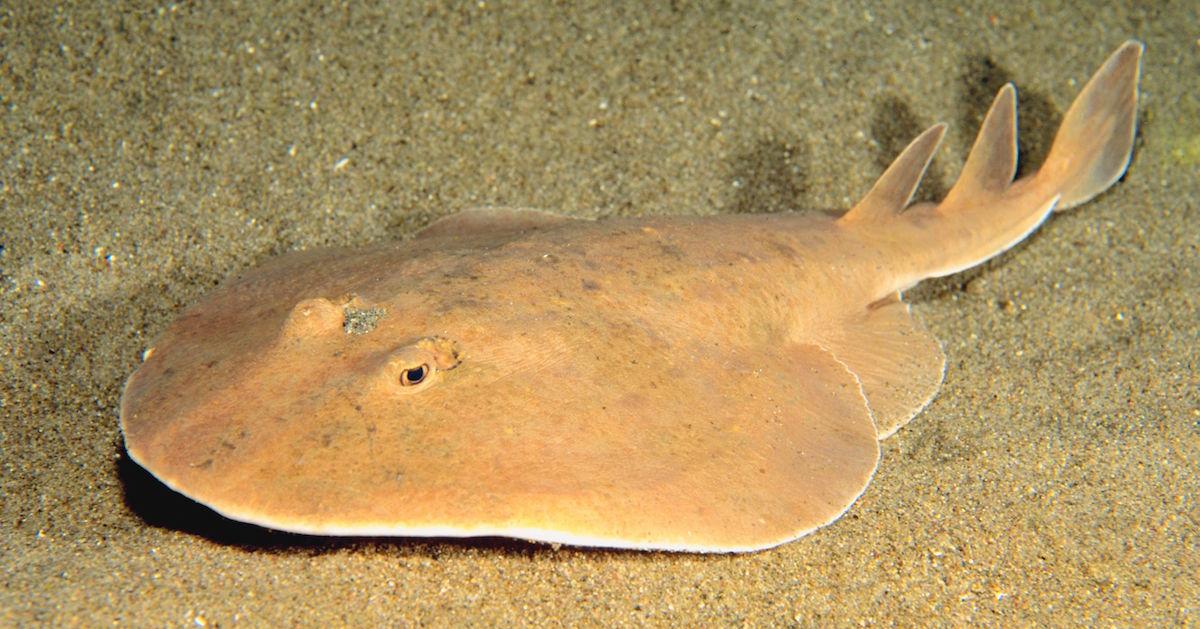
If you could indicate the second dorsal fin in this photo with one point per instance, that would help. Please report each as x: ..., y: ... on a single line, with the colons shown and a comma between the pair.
x: 992, y: 162
x: 894, y: 189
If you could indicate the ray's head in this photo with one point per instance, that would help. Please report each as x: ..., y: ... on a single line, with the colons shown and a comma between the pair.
x: 396, y: 361
x: 287, y: 416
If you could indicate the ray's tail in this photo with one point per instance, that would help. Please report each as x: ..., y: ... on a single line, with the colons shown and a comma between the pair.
x: 986, y: 212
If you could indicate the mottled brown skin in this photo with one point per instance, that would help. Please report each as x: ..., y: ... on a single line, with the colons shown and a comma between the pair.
x: 689, y: 383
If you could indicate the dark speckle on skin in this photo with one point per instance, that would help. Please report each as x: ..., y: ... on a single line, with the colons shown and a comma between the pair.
x: 783, y: 248
x: 671, y: 251
x: 590, y: 285
x: 463, y: 273
x: 457, y: 304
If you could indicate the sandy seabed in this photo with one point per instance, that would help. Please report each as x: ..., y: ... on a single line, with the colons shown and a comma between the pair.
x: 151, y: 150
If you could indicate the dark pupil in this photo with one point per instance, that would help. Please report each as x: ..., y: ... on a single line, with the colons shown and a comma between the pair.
x: 414, y: 375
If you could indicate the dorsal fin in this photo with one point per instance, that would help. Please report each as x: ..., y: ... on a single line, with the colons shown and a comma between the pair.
x: 492, y: 221
x: 992, y: 162
x: 895, y: 187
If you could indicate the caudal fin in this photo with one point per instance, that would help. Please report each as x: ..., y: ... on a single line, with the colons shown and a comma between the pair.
x: 1094, y: 143
x: 986, y: 212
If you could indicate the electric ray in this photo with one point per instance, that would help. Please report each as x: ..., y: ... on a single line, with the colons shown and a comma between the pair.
x: 713, y: 384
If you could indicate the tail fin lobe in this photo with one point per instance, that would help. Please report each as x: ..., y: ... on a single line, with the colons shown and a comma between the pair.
x: 1094, y: 144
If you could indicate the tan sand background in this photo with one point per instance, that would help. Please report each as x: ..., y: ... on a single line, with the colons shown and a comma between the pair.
x: 150, y: 150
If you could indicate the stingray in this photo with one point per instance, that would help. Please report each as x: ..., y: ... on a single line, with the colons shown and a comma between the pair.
x: 691, y: 383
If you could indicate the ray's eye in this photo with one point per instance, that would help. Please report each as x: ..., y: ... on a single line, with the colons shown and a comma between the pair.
x: 414, y: 375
